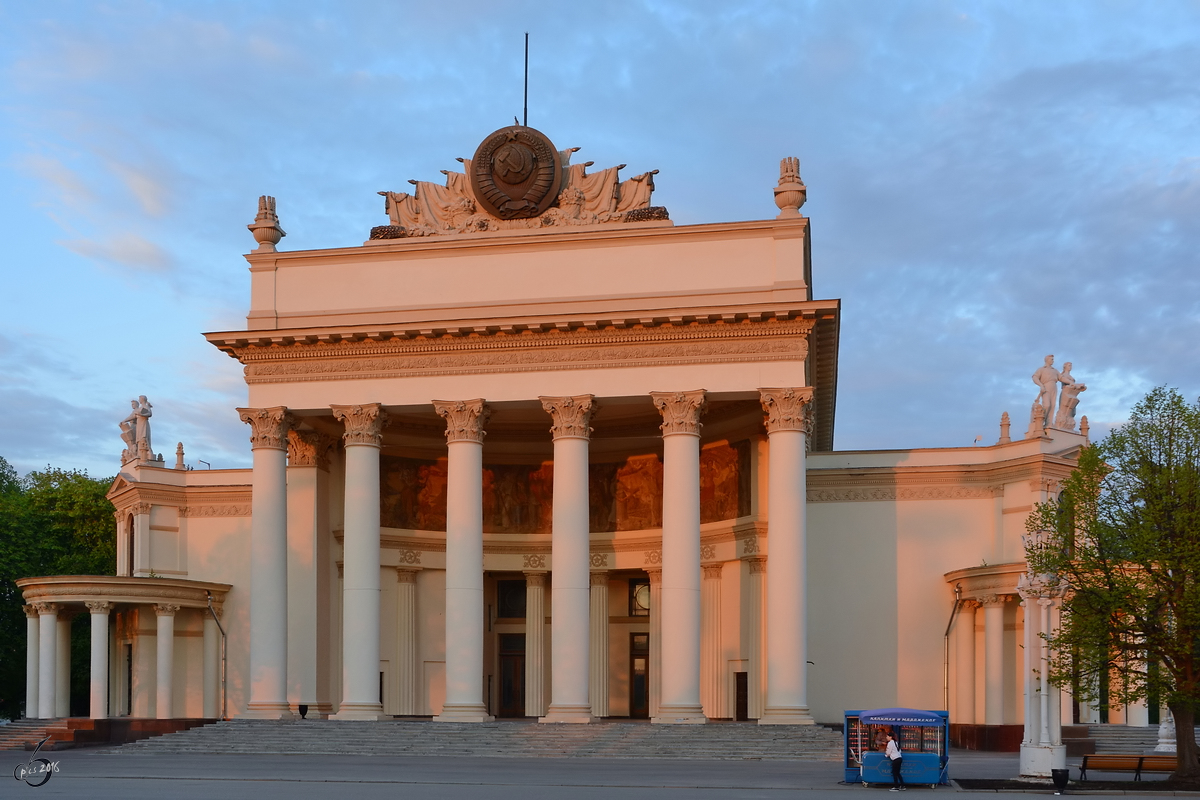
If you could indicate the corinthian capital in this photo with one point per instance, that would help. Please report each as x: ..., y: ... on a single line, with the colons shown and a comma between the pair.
x: 680, y: 410
x: 98, y: 606
x: 572, y: 415
x: 268, y: 426
x: 787, y: 409
x: 464, y: 419
x: 166, y: 609
x: 308, y: 449
x: 364, y: 423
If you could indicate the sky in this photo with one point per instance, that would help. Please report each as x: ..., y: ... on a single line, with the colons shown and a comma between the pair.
x: 988, y: 182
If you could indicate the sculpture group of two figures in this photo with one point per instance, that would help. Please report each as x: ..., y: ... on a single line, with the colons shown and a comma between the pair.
x: 1048, y: 379
x: 135, y: 431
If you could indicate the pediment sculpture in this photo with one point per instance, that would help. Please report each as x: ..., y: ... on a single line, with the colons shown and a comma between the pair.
x: 518, y: 179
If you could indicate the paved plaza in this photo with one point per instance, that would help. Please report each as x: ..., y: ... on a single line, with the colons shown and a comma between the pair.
x: 110, y: 773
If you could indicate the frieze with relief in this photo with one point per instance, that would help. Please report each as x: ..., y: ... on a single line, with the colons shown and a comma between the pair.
x: 697, y: 343
x: 517, y: 179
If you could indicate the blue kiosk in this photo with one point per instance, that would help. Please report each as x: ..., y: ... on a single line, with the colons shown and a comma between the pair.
x: 923, y: 736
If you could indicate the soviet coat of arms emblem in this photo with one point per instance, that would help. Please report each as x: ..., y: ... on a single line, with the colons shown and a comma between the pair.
x: 516, y: 173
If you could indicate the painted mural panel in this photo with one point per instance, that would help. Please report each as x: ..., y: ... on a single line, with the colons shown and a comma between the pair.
x: 518, y: 498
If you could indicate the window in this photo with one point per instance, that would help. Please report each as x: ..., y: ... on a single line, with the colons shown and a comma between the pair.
x: 510, y: 599
x: 639, y: 597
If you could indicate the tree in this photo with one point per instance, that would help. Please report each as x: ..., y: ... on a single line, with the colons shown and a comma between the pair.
x: 1124, y: 537
x: 54, y: 522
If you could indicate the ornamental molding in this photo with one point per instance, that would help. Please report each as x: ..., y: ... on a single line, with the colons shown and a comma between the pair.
x: 166, y: 609
x: 750, y: 546
x: 528, y: 351
x: 758, y: 565
x: 406, y: 574
x: 138, y: 509
x: 655, y: 574
x: 533, y: 561
x: 409, y: 556
x: 464, y: 419
x: 268, y: 426
x: 46, y: 608
x: 364, y: 423
x: 852, y: 494
x: 571, y: 416
x: 708, y: 552
x: 598, y: 579
x: 535, y: 579
x: 653, y: 557
x: 194, y: 512
x: 309, y: 449
x: 98, y: 606
x: 30, y: 611
x: 712, y: 571
x: 788, y: 409
x: 993, y: 600
x: 680, y: 411
x: 599, y: 559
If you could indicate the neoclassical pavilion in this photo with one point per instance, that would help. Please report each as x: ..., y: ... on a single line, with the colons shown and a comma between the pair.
x: 534, y: 450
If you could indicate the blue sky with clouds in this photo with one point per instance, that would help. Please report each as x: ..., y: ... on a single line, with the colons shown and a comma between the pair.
x: 988, y: 182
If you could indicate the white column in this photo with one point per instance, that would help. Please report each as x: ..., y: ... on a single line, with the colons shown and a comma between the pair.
x: 308, y: 571
x: 598, y: 675
x: 164, y: 708
x: 535, y: 644
x: 99, y: 672
x: 1043, y: 650
x: 464, y: 560
x: 212, y: 667
x: 268, y: 564
x: 656, y: 659
x: 993, y: 655
x: 680, y: 700
x: 32, y: 629
x: 1031, y: 732
x: 710, y: 640
x: 570, y: 588
x: 62, y: 667
x: 964, y: 641
x: 360, y: 557
x: 406, y: 639
x: 47, y: 659
x: 788, y: 419
x: 1056, y: 694
x: 756, y: 591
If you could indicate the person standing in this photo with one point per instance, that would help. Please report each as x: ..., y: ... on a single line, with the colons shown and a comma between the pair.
x: 893, y: 753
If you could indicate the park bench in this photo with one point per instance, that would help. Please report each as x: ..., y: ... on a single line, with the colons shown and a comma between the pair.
x: 1121, y: 763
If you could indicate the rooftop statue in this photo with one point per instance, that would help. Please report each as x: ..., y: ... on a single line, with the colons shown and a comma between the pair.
x: 1069, y: 399
x: 1046, y: 377
x: 135, y: 431
x: 517, y: 179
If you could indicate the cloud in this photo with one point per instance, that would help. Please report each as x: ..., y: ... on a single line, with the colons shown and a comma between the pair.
x: 126, y: 249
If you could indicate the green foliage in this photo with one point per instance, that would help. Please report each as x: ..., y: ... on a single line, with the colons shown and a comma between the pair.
x: 53, y: 522
x: 1125, y: 538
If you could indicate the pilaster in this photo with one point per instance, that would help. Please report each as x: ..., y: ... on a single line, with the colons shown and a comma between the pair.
x: 598, y: 674
x: 535, y: 644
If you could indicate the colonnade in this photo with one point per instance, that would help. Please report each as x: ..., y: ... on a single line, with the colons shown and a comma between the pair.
x: 48, y: 660
x: 578, y: 625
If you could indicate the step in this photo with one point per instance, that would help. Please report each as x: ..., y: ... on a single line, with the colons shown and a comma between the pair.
x: 725, y: 741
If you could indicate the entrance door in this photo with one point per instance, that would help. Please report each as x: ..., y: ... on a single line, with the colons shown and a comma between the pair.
x: 128, y: 659
x: 512, y: 675
x: 742, y: 689
x: 639, y: 675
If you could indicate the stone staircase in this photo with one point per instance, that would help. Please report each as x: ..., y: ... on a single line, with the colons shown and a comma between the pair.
x: 1124, y: 739
x: 17, y: 733
x: 509, y: 739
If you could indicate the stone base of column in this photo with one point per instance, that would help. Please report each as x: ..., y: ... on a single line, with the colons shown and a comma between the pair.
x: 786, y: 716
x: 679, y: 715
x: 465, y: 712
x: 268, y: 711
x: 571, y: 714
x: 360, y: 711
x: 1037, y: 761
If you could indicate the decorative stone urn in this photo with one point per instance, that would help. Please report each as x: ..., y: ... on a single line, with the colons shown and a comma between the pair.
x: 265, y: 227
x: 791, y: 192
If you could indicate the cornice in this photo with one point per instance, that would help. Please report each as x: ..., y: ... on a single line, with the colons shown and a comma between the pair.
x: 501, y: 352
x: 84, y: 588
